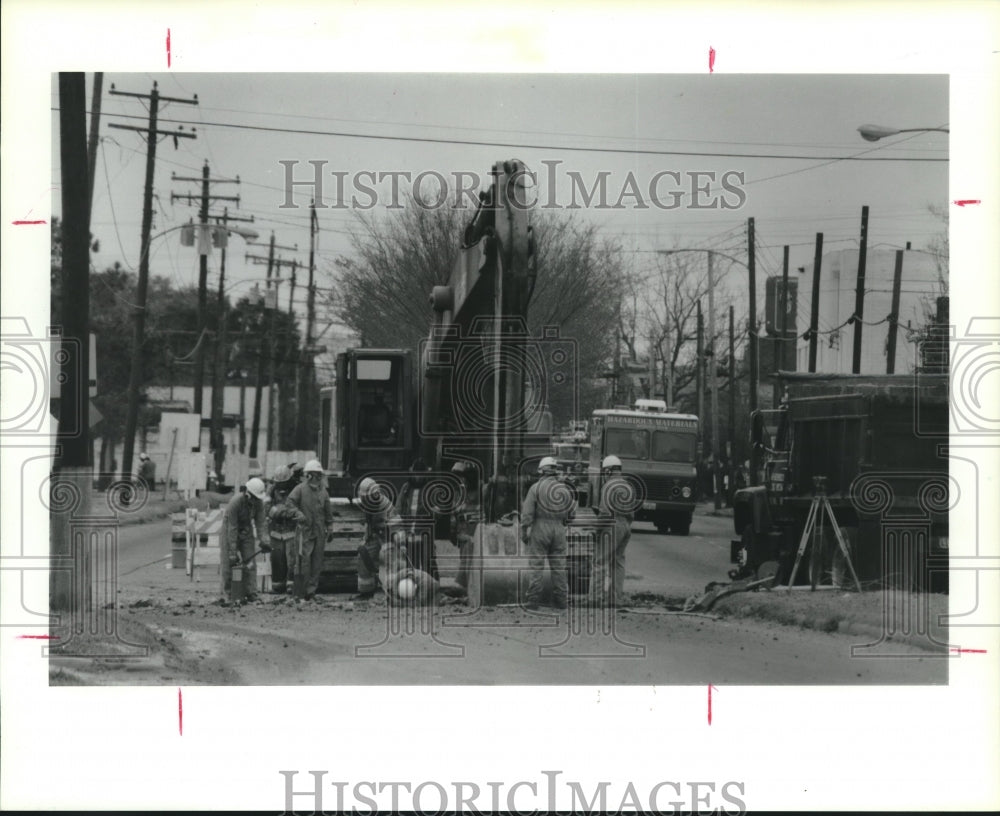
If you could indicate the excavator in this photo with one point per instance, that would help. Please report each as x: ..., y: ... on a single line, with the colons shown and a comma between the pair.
x: 478, y: 393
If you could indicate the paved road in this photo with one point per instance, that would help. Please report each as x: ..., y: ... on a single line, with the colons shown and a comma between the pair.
x: 678, y: 566
x: 336, y: 642
x: 669, y: 565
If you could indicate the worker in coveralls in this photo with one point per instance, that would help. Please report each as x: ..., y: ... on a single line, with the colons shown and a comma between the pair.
x: 618, y: 503
x: 283, y: 519
x: 243, y: 532
x: 547, y: 507
x: 313, y: 502
x: 377, y: 508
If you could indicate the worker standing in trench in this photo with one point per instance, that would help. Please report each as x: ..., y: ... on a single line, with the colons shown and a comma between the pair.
x: 313, y: 502
x: 618, y: 502
x: 546, y: 509
x: 283, y: 518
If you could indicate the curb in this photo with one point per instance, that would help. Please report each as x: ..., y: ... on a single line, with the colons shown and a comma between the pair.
x: 833, y: 625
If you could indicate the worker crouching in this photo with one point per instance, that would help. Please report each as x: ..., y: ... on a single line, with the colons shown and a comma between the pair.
x: 403, y: 583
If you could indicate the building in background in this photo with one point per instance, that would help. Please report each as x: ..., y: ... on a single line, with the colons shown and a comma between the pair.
x: 921, y: 284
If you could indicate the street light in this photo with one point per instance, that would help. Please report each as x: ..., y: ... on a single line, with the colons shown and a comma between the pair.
x: 713, y: 379
x: 872, y: 133
x: 135, y: 372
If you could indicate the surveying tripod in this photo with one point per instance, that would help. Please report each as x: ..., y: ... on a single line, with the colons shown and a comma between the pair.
x: 819, y: 508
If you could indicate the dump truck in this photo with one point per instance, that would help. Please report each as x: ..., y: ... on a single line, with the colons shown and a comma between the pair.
x: 874, y: 446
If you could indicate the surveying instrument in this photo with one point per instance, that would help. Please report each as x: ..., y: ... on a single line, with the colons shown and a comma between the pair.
x: 819, y: 508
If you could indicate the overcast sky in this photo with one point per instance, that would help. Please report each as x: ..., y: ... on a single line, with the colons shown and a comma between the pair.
x: 645, y: 127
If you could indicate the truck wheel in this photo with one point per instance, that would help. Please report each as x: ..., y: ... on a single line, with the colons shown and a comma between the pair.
x: 682, y: 526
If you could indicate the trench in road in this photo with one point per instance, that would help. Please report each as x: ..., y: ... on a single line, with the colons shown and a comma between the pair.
x: 321, y: 641
x: 668, y: 565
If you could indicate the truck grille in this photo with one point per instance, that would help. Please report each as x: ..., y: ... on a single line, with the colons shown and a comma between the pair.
x: 662, y: 488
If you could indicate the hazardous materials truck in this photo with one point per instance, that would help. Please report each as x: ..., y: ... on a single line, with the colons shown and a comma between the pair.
x: 874, y: 446
x: 657, y: 449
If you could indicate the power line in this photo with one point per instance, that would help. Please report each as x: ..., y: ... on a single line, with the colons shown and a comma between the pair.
x: 527, y: 146
x: 453, y: 128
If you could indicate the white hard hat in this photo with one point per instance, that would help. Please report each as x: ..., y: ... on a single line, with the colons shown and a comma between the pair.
x: 611, y: 461
x: 407, y: 588
x: 366, y: 486
x: 313, y: 466
x: 547, y: 463
x: 143, y: 455
x: 282, y: 474
x: 255, y: 487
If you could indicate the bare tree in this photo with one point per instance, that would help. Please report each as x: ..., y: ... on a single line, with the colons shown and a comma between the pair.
x: 938, y: 247
x: 673, y: 289
x: 383, y: 286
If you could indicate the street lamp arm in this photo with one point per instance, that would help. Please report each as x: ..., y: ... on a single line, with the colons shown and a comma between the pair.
x: 872, y: 133
x: 246, y: 234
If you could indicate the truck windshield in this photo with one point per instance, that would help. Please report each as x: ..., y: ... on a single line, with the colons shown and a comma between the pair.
x: 673, y: 446
x: 628, y: 444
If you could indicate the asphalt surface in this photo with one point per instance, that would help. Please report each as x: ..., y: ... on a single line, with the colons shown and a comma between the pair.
x: 191, y: 637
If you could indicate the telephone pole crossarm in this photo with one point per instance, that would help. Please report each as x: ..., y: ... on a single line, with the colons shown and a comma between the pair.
x: 182, y: 134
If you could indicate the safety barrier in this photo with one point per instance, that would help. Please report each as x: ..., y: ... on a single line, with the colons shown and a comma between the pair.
x: 203, y: 531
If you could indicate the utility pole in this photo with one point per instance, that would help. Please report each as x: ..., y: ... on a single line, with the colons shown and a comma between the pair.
x: 700, y: 381
x: 267, y: 342
x: 204, y: 248
x: 243, y: 392
x: 668, y: 351
x: 713, y: 384
x: 859, y: 292
x: 273, y: 415
x: 752, y: 334
x: 291, y: 289
x: 732, y: 405
x: 616, y: 368
x: 652, y: 366
x: 74, y: 419
x: 296, y: 358
x: 219, y: 378
x: 783, y: 326
x: 95, y: 131
x: 92, y: 142
x: 897, y: 280
x: 814, y: 311
x: 305, y: 391
x: 142, y: 284
x: 262, y: 347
